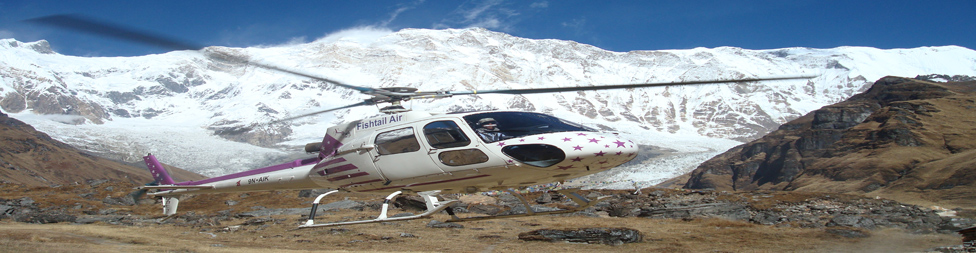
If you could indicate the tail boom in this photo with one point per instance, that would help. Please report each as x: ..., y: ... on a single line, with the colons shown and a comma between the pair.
x: 286, y: 176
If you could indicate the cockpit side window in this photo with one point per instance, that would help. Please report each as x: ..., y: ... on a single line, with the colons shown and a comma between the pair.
x: 397, y: 141
x: 445, y: 134
x: 497, y: 126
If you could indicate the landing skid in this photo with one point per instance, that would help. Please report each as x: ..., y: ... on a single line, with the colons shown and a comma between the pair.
x: 581, y: 201
x: 433, y: 206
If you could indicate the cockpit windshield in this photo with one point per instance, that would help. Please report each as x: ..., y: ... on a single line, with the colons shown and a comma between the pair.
x: 497, y: 126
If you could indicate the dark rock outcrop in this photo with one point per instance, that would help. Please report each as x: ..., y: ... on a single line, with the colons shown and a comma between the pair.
x: 797, y: 209
x: 441, y: 224
x: 608, y: 236
x: 902, y: 135
x: 26, y: 210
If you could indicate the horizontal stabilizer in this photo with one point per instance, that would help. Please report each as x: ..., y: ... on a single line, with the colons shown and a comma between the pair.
x: 175, y: 187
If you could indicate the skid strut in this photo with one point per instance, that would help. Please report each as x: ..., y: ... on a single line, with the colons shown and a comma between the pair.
x: 433, y: 206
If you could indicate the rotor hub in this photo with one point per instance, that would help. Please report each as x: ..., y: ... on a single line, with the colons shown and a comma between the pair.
x: 400, y: 89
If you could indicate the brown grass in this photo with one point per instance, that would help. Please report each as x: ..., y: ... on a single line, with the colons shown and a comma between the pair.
x: 501, y: 235
x: 698, y: 235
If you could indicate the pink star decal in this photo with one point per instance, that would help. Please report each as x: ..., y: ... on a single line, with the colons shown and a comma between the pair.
x: 600, y: 154
x: 565, y: 167
x: 577, y: 159
x: 501, y: 144
x: 542, y: 138
x: 578, y: 147
x: 580, y: 134
x: 620, y: 152
x: 567, y: 139
x: 606, y: 146
x: 594, y: 140
x: 521, y: 140
x: 619, y: 143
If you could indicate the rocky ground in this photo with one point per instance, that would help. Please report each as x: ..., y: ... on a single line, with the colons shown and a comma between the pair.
x: 652, y: 219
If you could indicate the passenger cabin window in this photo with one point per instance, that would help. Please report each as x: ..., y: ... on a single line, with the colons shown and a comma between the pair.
x: 397, y: 141
x: 462, y: 157
x: 445, y: 134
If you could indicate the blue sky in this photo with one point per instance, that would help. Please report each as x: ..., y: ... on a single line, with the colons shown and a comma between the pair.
x: 612, y: 25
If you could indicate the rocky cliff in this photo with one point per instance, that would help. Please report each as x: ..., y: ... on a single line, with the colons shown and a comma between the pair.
x: 908, y: 139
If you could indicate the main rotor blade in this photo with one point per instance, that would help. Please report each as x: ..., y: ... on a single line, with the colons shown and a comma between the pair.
x: 241, y: 130
x: 367, y: 102
x: 620, y: 86
x: 364, y: 90
x: 88, y: 25
x: 92, y: 26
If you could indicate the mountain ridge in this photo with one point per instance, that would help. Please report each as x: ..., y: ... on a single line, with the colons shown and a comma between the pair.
x: 195, y: 96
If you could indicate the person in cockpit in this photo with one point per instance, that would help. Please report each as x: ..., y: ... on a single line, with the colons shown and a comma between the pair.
x: 488, y: 130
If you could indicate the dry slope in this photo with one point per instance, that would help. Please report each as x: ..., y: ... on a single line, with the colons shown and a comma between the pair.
x: 33, y: 158
x: 906, y: 139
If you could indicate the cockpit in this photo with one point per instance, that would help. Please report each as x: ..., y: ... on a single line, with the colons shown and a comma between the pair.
x: 498, y: 126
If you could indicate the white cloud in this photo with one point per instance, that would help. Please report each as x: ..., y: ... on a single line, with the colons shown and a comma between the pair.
x: 394, y: 15
x: 363, y: 35
x: 542, y: 4
x: 295, y: 41
x: 4, y: 34
x: 253, y: 35
x: 62, y: 118
x: 490, y: 23
x: 475, y: 13
x: 401, y: 9
x: 575, y: 23
x: 492, y: 14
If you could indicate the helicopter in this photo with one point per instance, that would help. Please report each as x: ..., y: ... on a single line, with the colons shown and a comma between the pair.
x: 400, y: 150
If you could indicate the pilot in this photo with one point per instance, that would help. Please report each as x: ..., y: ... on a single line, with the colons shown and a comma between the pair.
x: 488, y: 130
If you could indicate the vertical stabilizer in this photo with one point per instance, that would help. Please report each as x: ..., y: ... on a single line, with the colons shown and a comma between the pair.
x: 170, y: 204
x: 158, y: 172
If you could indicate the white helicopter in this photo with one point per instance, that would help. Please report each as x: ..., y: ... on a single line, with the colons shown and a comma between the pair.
x: 409, y: 151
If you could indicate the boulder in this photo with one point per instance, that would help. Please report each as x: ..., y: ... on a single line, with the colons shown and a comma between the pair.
x: 478, y: 199
x: 441, y: 224
x: 45, y: 217
x: 608, y: 236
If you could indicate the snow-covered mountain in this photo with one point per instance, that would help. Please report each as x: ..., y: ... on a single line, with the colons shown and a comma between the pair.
x: 170, y: 104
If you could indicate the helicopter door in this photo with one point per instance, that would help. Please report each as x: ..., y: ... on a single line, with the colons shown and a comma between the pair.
x: 397, y: 155
x: 452, y: 150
